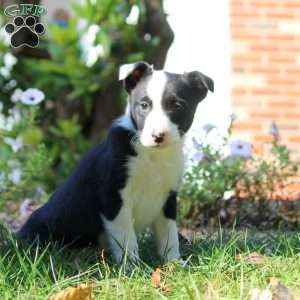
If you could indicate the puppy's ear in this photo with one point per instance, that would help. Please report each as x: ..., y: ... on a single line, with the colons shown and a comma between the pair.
x: 199, y: 80
x: 133, y: 73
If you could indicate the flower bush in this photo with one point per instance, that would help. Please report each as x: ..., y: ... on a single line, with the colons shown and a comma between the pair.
x: 24, y: 159
x: 63, y: 95
x: 232, y: 169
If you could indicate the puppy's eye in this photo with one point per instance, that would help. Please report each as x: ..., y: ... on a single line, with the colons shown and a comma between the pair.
x: 144, y: 105
x: 176, y: 105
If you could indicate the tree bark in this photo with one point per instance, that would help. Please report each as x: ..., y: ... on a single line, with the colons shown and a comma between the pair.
x: 156, y: 24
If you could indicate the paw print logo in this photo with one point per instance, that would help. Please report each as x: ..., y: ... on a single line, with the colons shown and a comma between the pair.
x: 24, y: 32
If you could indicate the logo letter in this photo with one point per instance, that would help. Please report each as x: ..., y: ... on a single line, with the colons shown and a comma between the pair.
x: 39, y: 10
x: 11, y: 10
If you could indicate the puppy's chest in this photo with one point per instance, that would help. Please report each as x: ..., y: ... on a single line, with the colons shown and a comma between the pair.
x: 151, y: 177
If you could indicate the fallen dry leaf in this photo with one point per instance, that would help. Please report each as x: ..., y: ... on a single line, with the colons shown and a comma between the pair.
x: 82, y: 292
x: 253, y: 258
x: 276, y: 291
x: 280, y: 292
x: 156, y: 281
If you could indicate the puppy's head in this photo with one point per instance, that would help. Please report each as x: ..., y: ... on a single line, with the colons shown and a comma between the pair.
x: 161, y: 104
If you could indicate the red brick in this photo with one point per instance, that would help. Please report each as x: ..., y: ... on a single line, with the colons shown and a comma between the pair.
x: 263, y: 138
x: 265, y: 114
x: 281, y: 59
x: 264, y: 47
x: 242, y: 11
x: 246, y: 125
x: 276, y: 80
x: 281, y: 37
x: 292, y: 92
x: 293, y: 71
x: 265, y: 70
x: 291, y: 49
x: 262, y: 4
x: 292, y: 115
x: 273, y: 55
x: 244, y: 36
x: 280, y: 15
x: 290, y: 4
x: 238, y: 91
x: 247, y: 57
x: 295, y: 139
x: 264, y: 91
x: 282, y: 104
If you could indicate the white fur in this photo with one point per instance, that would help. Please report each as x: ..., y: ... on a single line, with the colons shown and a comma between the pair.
x: 157, y: 121
x: 153, y: 173
x: 166, y: 234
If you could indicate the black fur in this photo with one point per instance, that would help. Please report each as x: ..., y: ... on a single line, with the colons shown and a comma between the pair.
x: 72, y: 214
x: 170, y: 207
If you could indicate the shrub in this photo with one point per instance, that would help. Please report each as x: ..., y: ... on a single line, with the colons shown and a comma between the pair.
x: 231, y: 169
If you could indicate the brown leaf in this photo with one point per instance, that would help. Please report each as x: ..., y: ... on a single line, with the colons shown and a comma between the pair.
x: 253, y: 258
x: 280, y: 292
x: 82, y: 292
x: 156, y: 281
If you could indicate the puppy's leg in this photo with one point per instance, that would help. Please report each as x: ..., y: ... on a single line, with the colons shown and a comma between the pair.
x: 165, y: 230
x: 121, y: 236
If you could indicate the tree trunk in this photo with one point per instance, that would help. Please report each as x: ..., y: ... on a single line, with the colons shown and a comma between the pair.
x: 156, y: 24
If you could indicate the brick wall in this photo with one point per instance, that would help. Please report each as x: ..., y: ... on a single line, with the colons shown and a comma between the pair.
x: 265, y: 36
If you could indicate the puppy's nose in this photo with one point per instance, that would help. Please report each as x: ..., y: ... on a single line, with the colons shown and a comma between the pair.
x: 158, y: 137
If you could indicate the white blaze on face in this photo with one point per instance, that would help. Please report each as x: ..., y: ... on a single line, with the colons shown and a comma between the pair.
x: 157, y: 121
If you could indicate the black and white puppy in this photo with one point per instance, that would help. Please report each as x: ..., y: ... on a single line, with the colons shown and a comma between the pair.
x: 129, y: 181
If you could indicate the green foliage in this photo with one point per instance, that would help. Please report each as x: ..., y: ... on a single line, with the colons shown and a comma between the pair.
x: 85, y: 55
x: 83, y: 59
x: 230, y: 169
x: 24, y: 160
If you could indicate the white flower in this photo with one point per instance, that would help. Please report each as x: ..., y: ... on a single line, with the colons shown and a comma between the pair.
x: 208, y: 127
x: 133, y: 16
x: 240, y: 149
x: 199, y: 156
x: 16, y: 144
x: 196, y: 144
x: 9, y: 60
x: 16, y: 96
x: 90, y: 52
x: 15, y: 176
x: 228, y: 194
x: 81, y: 24
x: 93, y: 54
x: 5, y: 72
x: 32, y: 97
x: 232, y: 117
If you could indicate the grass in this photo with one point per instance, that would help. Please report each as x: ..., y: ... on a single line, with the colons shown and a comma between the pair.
x: 213, y: 270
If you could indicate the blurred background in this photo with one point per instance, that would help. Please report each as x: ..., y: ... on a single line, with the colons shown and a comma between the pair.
x: 251, y: 49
